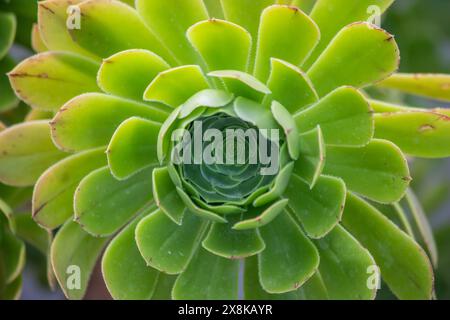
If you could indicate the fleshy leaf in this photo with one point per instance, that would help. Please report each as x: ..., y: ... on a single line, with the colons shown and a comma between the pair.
x: 33, y: 234
x: 37, y: 43
x: 50, y: 79
x: 343, y: 64
x: 53, y: 194
x: 403, y: 264
x: 126, y: 274
x: 254, y: 113
x: 133, y: 147
x: 103, y: 204
x: 285, y: 33
x: 280, y: 184
x: 8, y: 99
x: 285, y: 120
x: 208, y: 277
x: 289, y: 259
x: 74, y: 254
x: 435, y: 86
x: 344, y: 117
x: 344, y: 266
x: 319, y: 209
x: 378, y: 171
x: 13, y: 255
x: 174, y: 86
x: 81, y: 124
x: 417, y: 133
x: 290, y: 86
x: 128, y: 73
x: 167, y: 246
x: 222, y: 45
x: 209, y: 98
x: 311, y: 161
x: 26, y: 151
x: 214, y: 8
x: 226, y: 242
x: 203, y: 213
x: 7, y: 32
x: 263, y: 216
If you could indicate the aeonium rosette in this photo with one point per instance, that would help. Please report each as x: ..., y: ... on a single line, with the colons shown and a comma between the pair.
x: 133, y: 83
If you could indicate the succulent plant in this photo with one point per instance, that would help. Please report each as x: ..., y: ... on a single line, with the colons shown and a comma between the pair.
x: 124, y: 80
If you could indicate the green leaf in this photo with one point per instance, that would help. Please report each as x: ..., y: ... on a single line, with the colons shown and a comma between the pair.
x: 435, y: 86
x: 48, y: 80
x: 261, y: 216
x: 167, y: 246
x: 209, y: 98
x: 29, y: 231
x: 311, y: 161
x: 90, y: 120
x: 289, y: 259
x: 290, y: 86
x: 126, y: 274
x: 133, y: 147
x: 279, y: 186
x: 344, y: 266
x: 417, y: 133
x: 403, y: 264
x: 37, y: 43
x: 343, y: 64
x: 8, y: 26
x: 52, y: 201
x: 26, y: 151
x: 163, y: 290
x: 169, y: 20
x: 166, y: 196
x: 229, y: 243
x: 100, y: 35
x: 344, y: 117
x: 74, y: 254
x: 128, y: 73
x: 103, y: 204
x: 8, y: 99
x: 174, y: 86
x: 214, y: 8
x: 378, y: 171
x: 13, y: 290
x: 285, y: 33
x: 331, y: 16
x: 285, y: 120
x: 255, y: 113
x: 13, y: 255
x: 319, y: 209
x: 222, y: 45
x: 208, y: 277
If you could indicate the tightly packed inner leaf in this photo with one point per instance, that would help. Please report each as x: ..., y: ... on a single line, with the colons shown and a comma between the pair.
x: 129, y: 91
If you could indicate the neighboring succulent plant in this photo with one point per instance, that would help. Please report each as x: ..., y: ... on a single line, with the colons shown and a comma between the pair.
x: 125, y: 80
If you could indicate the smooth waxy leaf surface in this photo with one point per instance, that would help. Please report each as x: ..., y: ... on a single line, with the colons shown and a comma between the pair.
x: 285, y: 120
x: 12, y: 256
x: 7, y: 31
x: 53, y: 193
x: 133, y: 147
x: 27, y: 150
x: 378, y: 171
x: 319, y: 209
x: 403, y: 264
x: 280, y: 184
x: 128, y: 73
x: 289, y: 259
x: 343, y: 115
x: 209, y: 98
x: 104, y: 204
x: 126, y: 273
x: 167, y: 246
x: 208, y: 277
x: 8, y: 99
x: 343, y: 64
x: 285, y: 33
x: 90, y: 120
x: 262, y: 216
x: 75, y: 247
x: 37, y: 43
x: 50, y: 79
x: 195, y: 209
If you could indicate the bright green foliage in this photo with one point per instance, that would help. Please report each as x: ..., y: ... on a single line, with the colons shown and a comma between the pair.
x: 126, y: 83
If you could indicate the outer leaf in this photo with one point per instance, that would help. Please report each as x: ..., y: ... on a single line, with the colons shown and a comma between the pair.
x: 378, y: 171
x: 13, y: 256
x: 343, y: 115
x: 133, y: 147
x: 344, y: 266
x: 53, y: 193
x: 285, y: 120
x: 289, y: 259
x: 126, y: 274
x: 37, y: 43
x: 343, y: 64
x: 38, y: 79
x: 81, y: 124
x: 285, y: 33
x: 167, y: 246
x: 128, y: 73
x: 319, y: 209
x: 26, y: 151
x: 103, y: 204
x: 403, y: 264
x: 8, y: 99
x: 74, y: 254
x: 8, y: 26
x: 417, y: 133
x: 208, y: 277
